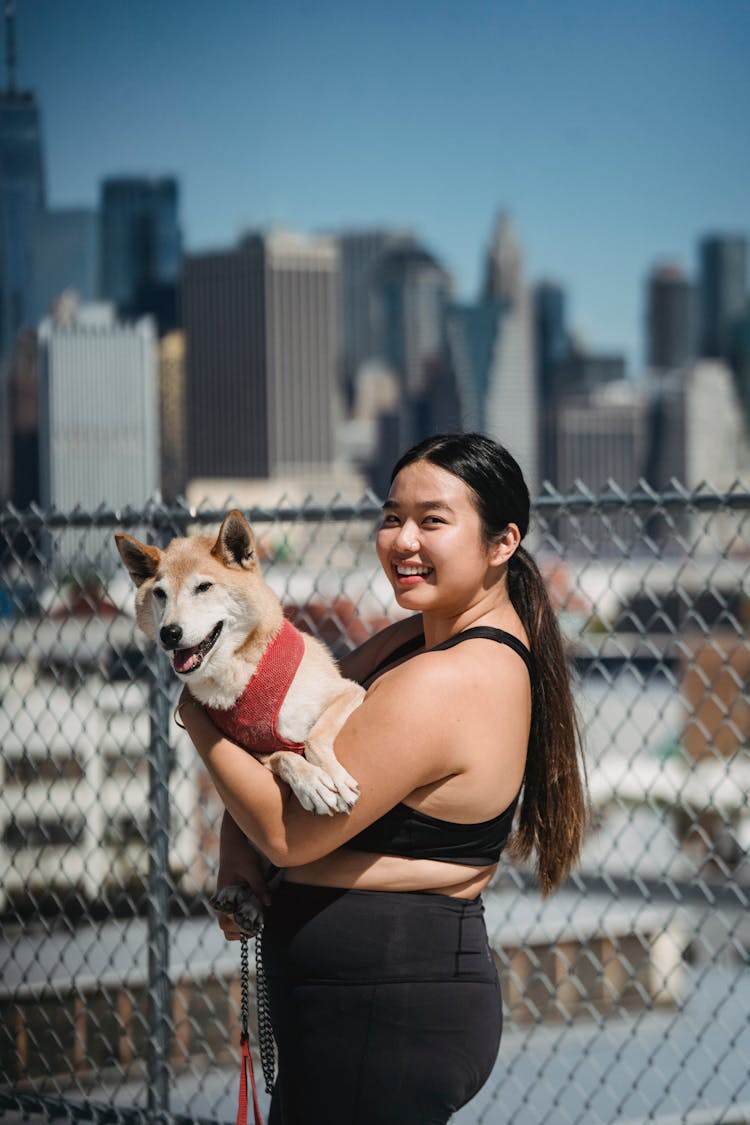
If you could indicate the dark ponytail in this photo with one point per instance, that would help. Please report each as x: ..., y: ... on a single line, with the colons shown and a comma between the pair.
x: 552, y: 813
x: 552, y: 810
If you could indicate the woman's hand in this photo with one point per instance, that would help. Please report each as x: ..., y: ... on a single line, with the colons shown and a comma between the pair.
x: 240, y: 866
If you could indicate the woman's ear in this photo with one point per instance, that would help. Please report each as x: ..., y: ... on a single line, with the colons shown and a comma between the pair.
x: 505, y: 545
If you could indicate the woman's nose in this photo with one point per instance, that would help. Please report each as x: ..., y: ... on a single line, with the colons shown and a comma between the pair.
x: 408, y: 537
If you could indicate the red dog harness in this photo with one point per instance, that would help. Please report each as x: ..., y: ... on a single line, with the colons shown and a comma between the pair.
x: 252, y: 721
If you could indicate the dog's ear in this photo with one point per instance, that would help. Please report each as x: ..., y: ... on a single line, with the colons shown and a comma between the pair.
x: 235, y: 543
x: 140, y: 560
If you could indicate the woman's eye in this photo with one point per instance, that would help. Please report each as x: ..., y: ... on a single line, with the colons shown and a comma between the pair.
x: 389, y: 521
x: 203, y: 587
x: 433, y: 519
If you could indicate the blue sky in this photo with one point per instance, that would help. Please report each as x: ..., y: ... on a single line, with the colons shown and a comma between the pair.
x: 615, y: 132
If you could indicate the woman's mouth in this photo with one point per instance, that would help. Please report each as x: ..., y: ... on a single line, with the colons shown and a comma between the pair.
x: 410, y: 574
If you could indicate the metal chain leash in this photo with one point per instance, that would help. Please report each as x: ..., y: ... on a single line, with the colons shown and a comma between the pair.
x: 265, y: 1031
x: 244, y: 986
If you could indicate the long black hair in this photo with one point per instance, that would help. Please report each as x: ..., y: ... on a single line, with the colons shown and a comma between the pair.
x: 553, y: 808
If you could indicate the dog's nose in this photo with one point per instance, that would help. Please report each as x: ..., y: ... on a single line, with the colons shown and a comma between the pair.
x: 170, y: 635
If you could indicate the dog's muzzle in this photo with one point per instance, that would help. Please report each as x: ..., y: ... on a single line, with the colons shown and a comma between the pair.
x: 186, y: 660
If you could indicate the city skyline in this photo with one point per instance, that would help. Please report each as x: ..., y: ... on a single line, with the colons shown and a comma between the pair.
x: 615, y: 139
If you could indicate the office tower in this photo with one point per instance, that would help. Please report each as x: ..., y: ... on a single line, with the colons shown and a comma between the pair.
x: 551, y: 348
x: 670, y: 318
x: 696, y: 435
x: 24, y: 421
x: 723, y: 290
x: 739, y: 358
x: 360, y: 251
x: 261, y: 323
x: 491, y: 349
x: 21, y: 200
x: 472, y: 332
x: 412, y: 291
x: 492, y: 353
x: 140, y: 247
x: 64, y: 257
x: 504, y: 266
x: 602, y: 437
x: 21, y: 196
x: 98, y: 416
x: 551, y: 339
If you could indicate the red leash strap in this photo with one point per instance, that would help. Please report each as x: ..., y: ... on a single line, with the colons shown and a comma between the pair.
x: 246, y: 1064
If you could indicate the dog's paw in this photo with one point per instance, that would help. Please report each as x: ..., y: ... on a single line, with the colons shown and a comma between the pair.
x: 244, y: 906
x: 346, y: 788
x: 317, y: 794
x: 327, y: 795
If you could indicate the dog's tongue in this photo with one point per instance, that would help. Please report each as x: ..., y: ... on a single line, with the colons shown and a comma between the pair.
x: 185, y: 659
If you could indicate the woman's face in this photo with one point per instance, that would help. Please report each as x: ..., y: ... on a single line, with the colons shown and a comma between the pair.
x: 430, y: 541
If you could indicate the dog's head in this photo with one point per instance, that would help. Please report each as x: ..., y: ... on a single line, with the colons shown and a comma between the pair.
x: 200, y: 599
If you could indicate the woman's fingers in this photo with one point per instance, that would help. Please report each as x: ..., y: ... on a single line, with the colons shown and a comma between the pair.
x: 229, y: 927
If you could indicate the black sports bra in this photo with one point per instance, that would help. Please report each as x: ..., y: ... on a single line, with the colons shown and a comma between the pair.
x: 408, y: 832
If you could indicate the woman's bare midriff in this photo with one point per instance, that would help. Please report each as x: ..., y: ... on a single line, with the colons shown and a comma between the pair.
x: 367, y: 872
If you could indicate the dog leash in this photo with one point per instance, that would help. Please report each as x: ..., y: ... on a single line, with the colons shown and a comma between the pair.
x: 246, y: 1059
x: 265, y: 1032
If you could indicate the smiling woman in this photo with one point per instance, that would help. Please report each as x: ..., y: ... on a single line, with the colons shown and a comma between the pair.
x: 384, y: 997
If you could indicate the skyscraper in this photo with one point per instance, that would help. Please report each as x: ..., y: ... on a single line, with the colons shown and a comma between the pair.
x: 504, y: 266
x: 551, y: 348
x: 412, y: 291
x: 21, y: 201
x: 670, y: 318
x: 64, y: 257
x: 261, y: 324
x: 491, y: 347
x: 140, y: 246
x: 21, y: 196
x: 723, y: 290
x: 360, y: 252
x: 98, y: 416
x: 739, y: 358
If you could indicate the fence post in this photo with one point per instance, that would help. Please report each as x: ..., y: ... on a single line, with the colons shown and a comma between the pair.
x: 159, y: 893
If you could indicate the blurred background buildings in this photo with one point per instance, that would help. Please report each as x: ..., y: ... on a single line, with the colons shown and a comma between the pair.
x: 315, y: 358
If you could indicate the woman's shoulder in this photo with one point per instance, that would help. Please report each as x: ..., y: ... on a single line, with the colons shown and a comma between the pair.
x: 445, y: 675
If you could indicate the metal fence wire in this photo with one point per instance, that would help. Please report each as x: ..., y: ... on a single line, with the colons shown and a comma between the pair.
x: 627, y: 995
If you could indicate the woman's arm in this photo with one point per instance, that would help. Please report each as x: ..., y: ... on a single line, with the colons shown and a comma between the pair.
x: 362, y: 662
x: 401, y: 737
x: 239, y: 862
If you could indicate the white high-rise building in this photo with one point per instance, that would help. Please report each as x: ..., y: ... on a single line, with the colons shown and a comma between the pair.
x: 510, y: 412
x: 98, y: 411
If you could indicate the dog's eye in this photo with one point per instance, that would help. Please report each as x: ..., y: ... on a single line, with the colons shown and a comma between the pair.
x: 160, y: 595
x: 203, y: 587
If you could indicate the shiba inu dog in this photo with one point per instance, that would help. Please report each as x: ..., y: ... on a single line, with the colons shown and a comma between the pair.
x: 274, y: 690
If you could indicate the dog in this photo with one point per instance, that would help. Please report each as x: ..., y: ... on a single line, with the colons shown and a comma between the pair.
x: 274, y: 690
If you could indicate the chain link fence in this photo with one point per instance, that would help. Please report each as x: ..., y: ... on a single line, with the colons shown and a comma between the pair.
x: 627, y: 995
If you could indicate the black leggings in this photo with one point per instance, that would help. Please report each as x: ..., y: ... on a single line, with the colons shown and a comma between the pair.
x: 385, y: 1005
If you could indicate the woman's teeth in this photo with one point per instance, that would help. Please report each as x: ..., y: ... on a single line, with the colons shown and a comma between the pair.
x: 408, y: 571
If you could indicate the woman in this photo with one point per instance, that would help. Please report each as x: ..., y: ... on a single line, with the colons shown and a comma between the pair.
x: 384, y: 996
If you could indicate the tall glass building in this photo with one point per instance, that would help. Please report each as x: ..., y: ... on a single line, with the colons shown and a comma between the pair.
x: 21, y: 202
x: 723, y: 290
x: 140, y: 245
x: 670, y: 318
